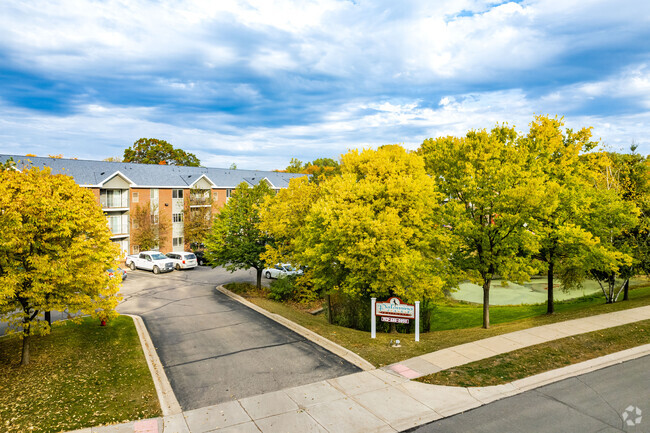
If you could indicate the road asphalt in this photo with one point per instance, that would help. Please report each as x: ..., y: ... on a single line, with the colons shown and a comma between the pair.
x: 594, y: 402
x: 214, y: 349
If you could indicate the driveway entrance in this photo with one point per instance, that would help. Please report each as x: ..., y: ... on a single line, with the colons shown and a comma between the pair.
x: 213, y: 348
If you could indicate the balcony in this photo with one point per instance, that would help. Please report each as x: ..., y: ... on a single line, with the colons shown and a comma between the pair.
x: 114, y: 199
x: 202, y: 199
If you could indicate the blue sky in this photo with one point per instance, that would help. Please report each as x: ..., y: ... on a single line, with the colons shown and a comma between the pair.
x: 258, y: 82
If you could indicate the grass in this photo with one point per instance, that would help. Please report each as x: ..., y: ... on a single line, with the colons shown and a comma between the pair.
x: 452, y: 324
x: 80, y: 375
x: 532, y: 360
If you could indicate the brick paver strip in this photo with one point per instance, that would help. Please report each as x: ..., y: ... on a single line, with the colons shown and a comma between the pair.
x: 146, y: 426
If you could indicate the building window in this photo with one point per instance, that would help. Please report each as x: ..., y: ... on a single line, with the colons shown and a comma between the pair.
x: 177, y: 193
x: 177, y: 242
x: 135, y: 198
x: 228, y: 192
x: 154, y: 219
x: 177, y: 217
x: 136, y: 249
x: 114, y: 198
x: 118, y: 224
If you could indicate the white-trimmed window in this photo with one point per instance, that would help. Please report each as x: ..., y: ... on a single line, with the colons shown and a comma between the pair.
x: 177, y: 217
x: 177, y: 193
x: 177, y: 242
x: 136, y: 249
x: 135, y: 197
x: 114, y: 198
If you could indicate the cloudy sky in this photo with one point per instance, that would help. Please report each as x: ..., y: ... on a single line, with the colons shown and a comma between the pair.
x: 258, y: 82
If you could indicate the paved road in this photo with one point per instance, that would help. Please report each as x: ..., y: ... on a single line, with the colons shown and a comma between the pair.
x: 593, y: 402
x: 213, y: 348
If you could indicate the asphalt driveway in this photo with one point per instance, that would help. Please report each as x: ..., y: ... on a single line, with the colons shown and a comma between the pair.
x: 213, y: 348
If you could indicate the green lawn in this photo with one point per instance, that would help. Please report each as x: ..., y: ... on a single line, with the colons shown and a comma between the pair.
x: 453, y: 323
x: 536, y: 359
x: 80, y: 375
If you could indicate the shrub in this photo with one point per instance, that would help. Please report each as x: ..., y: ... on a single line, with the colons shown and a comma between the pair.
x: 283, y: 289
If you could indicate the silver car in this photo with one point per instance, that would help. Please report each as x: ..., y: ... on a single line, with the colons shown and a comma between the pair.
x: 183, y: 260
x: 281, y: 270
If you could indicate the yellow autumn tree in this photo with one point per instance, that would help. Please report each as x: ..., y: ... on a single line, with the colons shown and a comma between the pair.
x: 55, y: 249
x: 376, y: 228
x: 284, y: 215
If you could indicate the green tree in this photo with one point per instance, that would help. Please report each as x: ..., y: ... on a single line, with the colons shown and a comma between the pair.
x: 635, y: 186
x: 295, y: 166
x: 55, y: 249
x: 319, y: 169
x: 618, y: 220
x: 236, y: 240
x: 155, y: 151
x: 494, y: 195
x: 565, y: 243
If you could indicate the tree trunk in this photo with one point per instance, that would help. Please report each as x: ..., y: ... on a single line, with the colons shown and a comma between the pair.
x: 48, y: 318
x: 486, y: 303
x: 329, y: 308
x: 626, y: 290
x: 393, y: 328
x: 25, y: 357
x: 259, y: 278
x: 550, y: 306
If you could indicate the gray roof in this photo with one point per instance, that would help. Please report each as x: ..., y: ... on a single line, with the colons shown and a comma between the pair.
x: 95, y: 173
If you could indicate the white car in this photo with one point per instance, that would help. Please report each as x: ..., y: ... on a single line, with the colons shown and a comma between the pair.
x: 183, y: 260
x: 150, y: 261
x: 281, y: 270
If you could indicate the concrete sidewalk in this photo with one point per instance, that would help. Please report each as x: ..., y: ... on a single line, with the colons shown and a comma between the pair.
x: 386, y: 400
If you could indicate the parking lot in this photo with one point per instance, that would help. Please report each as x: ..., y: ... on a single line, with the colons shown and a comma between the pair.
x: 213, y: 348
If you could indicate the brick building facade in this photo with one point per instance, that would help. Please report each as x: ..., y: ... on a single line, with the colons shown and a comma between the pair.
x: 168, y: 191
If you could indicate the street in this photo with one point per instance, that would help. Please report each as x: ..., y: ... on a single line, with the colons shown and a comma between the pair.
x: 593, y: 402
x: 213, y: 348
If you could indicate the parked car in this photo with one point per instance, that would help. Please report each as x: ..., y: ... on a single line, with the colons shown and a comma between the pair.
x: 150, y: 261
x: 281, y: 270
x: 183, y: 260
x: 200, y: 258
x: 119, y: 271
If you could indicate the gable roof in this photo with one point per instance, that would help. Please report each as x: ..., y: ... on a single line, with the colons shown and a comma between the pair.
x: 95, y: 173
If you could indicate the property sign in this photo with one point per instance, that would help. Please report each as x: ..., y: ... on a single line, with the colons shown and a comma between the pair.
x: 394, y: 307
x: 394, y: 311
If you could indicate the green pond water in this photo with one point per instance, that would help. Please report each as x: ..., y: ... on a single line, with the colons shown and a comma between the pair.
x: 532, y: 292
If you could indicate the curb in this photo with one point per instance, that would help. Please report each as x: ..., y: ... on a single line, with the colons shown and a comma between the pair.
x: 168, y: 403
x: 341, y: 351
x: 584, y: 367
x: 488, y: 394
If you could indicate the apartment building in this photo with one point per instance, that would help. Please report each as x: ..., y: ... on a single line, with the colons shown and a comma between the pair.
x: 166, y: 190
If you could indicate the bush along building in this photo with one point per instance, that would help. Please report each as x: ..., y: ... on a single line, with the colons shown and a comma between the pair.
x: 159, y: 207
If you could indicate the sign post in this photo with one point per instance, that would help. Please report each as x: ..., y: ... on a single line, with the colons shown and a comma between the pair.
x: 373, y: 323
x: 417, y: 320
x: 395, y: 311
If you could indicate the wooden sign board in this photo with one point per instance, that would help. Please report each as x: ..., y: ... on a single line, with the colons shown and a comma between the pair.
x: 394, y: 307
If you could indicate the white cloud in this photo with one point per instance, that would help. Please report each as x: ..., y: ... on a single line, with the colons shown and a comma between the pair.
x: 367, y: 72
x: 421, y: 41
